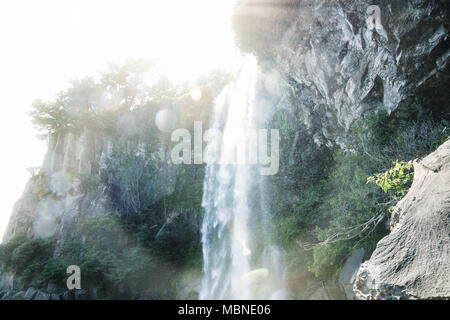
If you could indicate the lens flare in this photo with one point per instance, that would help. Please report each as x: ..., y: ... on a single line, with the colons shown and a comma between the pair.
x: 45, y: 225
x: 195, y: 93
x: 60, y: 183
x: 166, y: 120
x: 239, y: 234
x: 48, y: 214
x: 256, y: 276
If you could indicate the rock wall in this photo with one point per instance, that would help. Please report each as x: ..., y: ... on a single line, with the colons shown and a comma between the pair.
x: 54, y: 197
x: 343, y: 59
x: 349, y: 271
x: 413, y: 261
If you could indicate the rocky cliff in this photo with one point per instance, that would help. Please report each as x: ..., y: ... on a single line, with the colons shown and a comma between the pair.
x: 413, y: 261
x: 344, y: 59
x: 54, y: 197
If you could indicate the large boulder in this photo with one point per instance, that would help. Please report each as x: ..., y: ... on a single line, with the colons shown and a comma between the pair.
x: 42, y: 296
x: 55, y: 296
x: 330, y: 290
x: 30, y: 293
x: 82, y: 294
x: 348, y: 274
x: 68, y: 295
x: 7, y: 295
x: 413, y: 261
x: 8, y: 282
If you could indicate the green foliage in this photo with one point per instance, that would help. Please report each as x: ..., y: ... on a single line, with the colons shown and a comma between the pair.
x: 31, y: 251
x: 375, y: 130
x: 115, y: 253
x: 353, y: 209
x: 53, y: 271
x: 96, y: 104
x: 348, y: 204
x: 89, y: 182
x: 103, y: 234
x: 158, y: 203
x: 396, y: 180
x: 7, y: 249
x: 31, y: 258
x: 444, y: 137
x: 130, y: 176
x: 179, y: 244
x: 95, y: 245
x: 323, y: 199
x: 384, y: 140
x: 50, y: 117
x: 299, y: 186
x: 133, y: 91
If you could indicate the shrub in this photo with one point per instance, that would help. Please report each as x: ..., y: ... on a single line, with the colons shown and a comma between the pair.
x: 395, y: 181
x: 30, y: 252
x: 6, y: 250
x: 31, y: 258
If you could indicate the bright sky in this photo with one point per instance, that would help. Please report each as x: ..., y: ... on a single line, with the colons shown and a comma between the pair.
x: 45, y: 43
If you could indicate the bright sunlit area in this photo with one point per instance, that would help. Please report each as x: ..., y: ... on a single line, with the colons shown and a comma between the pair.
x: 45, y: 44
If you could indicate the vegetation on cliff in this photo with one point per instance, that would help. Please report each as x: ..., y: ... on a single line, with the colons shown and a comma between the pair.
x: 325, y: 207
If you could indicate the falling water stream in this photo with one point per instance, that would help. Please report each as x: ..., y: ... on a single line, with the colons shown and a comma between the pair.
x: 239, y: 260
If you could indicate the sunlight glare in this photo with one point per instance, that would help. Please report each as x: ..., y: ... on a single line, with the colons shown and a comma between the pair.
x: 47, y: 43
x: 195, y: 93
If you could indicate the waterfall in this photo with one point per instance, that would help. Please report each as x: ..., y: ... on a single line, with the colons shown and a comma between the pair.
x: 239, y: 261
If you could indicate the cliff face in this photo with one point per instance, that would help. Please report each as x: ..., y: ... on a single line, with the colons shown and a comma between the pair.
x: 344, y: 59
x: 413, y: 261
x: 53, y: 198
